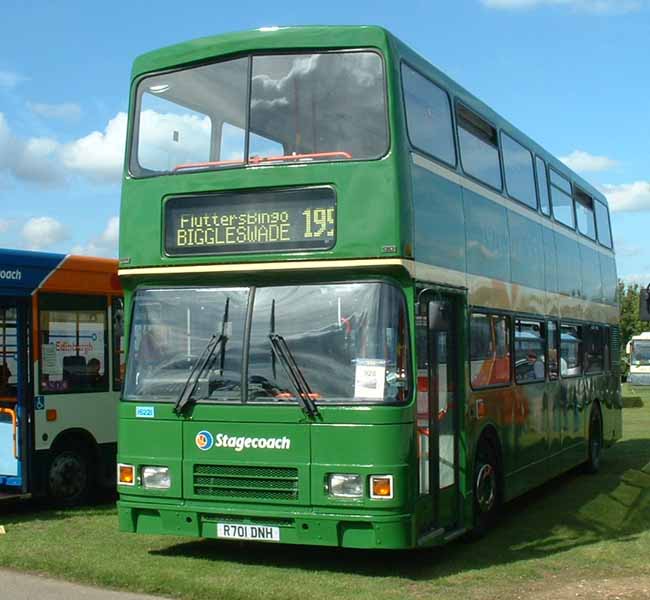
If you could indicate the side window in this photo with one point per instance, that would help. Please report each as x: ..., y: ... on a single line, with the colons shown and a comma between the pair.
x: 553, y: 345
x: 479, y: 147
x: 428, y: 116
x: 489, y: 350
x: 117, y: 310
x: 585, y: 214
x: 518, y: 165
x: 602, y: 222
x: 73, y: 344
x: 562, y: 199
x: 530, y: 344
x: 571, y: 350
x: 542, y: 186
x: 594, y: 349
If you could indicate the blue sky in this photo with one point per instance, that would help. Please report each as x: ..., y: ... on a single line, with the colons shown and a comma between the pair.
x: 572, y: 74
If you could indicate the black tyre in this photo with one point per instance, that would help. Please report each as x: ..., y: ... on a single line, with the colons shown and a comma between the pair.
x: 595, y: 440
x: 68, y: 477
x: 487, y: 487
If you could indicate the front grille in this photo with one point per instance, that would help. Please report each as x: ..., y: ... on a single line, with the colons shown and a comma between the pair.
x: 242, y: 481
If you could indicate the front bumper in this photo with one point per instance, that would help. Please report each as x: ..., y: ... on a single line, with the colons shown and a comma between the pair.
x: 303, y: 526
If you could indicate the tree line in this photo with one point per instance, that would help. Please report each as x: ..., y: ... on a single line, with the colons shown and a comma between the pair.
x: 628, y: 301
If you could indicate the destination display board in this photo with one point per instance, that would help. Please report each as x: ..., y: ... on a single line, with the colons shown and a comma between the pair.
x: 252, y: 221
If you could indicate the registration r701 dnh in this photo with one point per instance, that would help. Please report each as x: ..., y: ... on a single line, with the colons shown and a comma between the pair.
x: 261, y: 533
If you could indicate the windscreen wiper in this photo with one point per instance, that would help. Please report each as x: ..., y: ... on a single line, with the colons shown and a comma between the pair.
x: 295, y: 375
x: 186, y: 395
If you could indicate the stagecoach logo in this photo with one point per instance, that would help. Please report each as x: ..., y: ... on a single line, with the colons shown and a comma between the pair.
x: 16, y: 275
x: 204, y: 441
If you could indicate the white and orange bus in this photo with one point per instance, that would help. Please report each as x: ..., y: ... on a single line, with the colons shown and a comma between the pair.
x: 61, y: 360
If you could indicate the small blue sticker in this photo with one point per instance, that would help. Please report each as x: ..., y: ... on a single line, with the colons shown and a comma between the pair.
x: 146, y: 412
x: 40, y: 402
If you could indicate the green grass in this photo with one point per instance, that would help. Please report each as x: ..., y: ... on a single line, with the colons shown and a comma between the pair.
x: 576, y: 529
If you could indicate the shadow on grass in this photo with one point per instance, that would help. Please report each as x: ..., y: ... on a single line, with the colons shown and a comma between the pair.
x: 571, y: 511
x: 20, y: 511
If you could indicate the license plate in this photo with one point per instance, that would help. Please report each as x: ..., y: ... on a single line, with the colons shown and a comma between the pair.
x: 259, y: 533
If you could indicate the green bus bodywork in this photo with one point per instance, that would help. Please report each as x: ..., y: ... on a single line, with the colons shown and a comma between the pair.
x: 403, y: 219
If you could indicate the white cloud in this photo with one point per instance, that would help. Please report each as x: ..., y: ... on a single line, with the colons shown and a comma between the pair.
x: 584, y: 162
x: 99, y: 155
x: 33, y: 160
x: 105, y: 244
x: 599, y: 7
x: 67, y: 110
x: 42, y: 232
x: 9, y: 79
x: 628, y: 197
x: 46, y: 161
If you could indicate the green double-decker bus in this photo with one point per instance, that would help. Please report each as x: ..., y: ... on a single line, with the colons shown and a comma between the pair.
x: 363, y: 309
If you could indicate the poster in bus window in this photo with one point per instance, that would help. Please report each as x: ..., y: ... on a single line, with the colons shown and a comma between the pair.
x: 74, y: 355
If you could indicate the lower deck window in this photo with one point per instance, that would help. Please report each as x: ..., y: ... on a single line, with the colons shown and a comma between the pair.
x: 571, y: 350
x: 489, y: 350
x: 529, y: 351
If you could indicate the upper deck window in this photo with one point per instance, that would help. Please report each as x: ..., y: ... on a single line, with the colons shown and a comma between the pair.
x: 428, y: 116
x: 520, y: 178
x: 542, y: 186
x: 262, y: 109
x: 562, y: 199
x: 479, y: 147
x: 585, y: 214
x: 602, y: 223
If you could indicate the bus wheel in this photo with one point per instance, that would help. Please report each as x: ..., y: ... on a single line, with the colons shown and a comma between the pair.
x: 595, y: 440
x: 487, y: 487
x: 69, y: 477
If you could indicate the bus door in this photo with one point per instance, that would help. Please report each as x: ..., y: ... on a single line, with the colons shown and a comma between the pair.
x: 438, y: 389
x: 13, y: 389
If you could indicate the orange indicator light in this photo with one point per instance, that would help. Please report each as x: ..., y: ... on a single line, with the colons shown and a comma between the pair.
x: 126, y: 474
x: 381, y: 486
x: 50, y: 415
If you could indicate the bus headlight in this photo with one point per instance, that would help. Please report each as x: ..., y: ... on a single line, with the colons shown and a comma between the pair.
x: 345, y: 486
x: 156, y: 478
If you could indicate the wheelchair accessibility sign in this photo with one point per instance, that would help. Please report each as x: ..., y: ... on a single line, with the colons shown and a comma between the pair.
x: 39, y: 403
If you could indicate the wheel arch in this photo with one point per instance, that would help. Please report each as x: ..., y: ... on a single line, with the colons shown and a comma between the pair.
x: 73, y: 438
x: 490, y: 434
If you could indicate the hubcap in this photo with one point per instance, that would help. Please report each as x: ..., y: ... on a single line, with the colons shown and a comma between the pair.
x: 486, y: 487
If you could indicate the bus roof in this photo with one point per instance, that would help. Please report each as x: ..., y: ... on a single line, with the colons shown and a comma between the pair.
x: 24, y: 272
